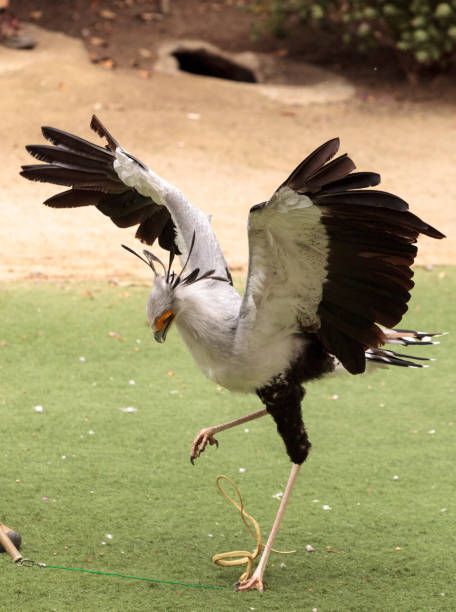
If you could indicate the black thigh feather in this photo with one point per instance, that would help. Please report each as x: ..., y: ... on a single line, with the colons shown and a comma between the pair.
x: 283, y: 395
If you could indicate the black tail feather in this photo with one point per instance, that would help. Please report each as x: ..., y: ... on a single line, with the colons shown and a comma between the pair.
x: 387, y: 358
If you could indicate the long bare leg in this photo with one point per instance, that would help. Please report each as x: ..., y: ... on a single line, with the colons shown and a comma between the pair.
x: 256, y: 580
x: 206, y: 435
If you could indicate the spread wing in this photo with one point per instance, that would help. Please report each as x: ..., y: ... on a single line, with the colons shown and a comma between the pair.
x: 125, y: 190
x: 330, y: 257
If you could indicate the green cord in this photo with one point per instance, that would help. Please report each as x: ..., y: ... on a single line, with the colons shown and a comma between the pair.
x: 117, y: 575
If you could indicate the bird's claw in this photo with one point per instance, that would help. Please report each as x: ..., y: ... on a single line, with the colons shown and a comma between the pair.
x: 205, y: 437
x: 254, y: 583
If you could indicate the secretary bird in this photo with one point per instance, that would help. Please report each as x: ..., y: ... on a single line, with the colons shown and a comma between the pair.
x: 329, y: 277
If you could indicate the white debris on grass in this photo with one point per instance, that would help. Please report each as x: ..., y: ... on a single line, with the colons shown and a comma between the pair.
x: 395, y: 477
x: 326, y: 507
x: 131, y: 382
x: 310, y: 548
x: 431, y: 431
x: 242, y: 470
x: 82, y: 359
x: 129, y: 409
x: 278, y: 495
x: 38, y: 409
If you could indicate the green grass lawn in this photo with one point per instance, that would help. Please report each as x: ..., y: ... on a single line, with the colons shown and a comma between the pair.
x: 383, y: 459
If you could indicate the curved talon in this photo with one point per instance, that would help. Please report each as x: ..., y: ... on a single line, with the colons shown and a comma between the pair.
x: 205, y: 437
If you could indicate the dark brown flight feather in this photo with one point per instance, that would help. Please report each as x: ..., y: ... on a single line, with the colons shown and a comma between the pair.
x: 88, y: 169
x: 311, y: 164
x: 371, y: 238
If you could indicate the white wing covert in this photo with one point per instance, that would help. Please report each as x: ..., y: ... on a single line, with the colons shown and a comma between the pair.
x: 329, y: 257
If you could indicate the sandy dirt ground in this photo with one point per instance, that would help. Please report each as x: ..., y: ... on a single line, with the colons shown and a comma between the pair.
x: 223, y: 143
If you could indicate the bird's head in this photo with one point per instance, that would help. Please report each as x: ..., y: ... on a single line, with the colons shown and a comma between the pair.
x: 161, y: 307
x: 164, y: 301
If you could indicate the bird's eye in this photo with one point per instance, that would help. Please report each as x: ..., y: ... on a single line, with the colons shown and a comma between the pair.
x: 160, y: 321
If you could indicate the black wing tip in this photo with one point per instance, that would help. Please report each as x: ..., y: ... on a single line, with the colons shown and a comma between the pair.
x: 31, y: 172
x: 49, y: 131
x: 333, y: 142
x: 97, y: 126
x: 433, y: 233
x: 32, y: 149
x: 40, y: 152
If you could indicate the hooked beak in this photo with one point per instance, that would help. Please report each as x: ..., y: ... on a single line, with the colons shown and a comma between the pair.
x: 160, y: 336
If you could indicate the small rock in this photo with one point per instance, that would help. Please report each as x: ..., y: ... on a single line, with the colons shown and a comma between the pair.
x: 144, y: 74
x: 310, y: 548
x: 107, y: 14
x: 97, y: 41
x: 116, y: 336
x: 145, y: 53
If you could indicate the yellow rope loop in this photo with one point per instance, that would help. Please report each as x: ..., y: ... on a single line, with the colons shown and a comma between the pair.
x: 242, y: 557
x: 239, y: 557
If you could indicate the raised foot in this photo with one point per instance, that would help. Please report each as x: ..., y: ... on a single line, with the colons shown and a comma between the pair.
x: 254, y: 583
x: 205, y: 437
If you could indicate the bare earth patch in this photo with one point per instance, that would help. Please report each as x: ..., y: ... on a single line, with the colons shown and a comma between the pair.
x: 223, y: 143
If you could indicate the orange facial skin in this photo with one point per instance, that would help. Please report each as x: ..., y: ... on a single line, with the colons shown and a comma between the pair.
x: 162, y: 320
